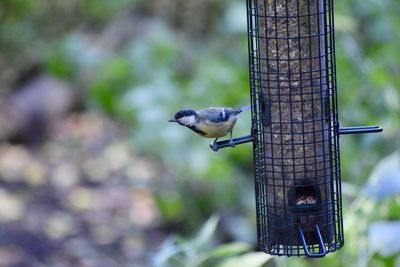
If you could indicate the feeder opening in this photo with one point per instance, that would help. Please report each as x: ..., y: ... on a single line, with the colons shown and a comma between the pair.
x: 305, y: 196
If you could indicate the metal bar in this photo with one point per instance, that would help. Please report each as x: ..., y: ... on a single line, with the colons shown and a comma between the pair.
x: 360, y: 129
x: 236, y: 141
x: 322, y: 250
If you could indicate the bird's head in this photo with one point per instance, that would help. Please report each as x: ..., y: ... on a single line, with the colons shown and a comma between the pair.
x: 185, y: 117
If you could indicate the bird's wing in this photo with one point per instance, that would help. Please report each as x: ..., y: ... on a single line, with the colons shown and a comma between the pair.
x: 232, y: 111
x: 218, y: 115
x: 215, y: 115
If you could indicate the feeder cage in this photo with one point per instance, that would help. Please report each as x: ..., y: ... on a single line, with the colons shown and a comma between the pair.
x: 295, y: 128
x: 295, y: 120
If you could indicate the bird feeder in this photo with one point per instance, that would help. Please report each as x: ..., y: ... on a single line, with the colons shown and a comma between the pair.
x: 295, y: 128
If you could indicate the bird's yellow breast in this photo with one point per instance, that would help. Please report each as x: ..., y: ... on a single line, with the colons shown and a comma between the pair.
x: 214, y: 130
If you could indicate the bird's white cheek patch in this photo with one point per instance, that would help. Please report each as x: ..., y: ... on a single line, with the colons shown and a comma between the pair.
x: 188, y: 120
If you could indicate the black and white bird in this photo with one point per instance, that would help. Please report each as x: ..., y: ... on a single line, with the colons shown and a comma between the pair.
x: 212, y: 122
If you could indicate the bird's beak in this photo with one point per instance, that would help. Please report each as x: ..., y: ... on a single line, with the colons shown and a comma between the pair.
x: 172, y: 120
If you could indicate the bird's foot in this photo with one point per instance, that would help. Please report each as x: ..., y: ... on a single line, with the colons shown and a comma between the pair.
x: 214, y: 146
x: 231, y: 143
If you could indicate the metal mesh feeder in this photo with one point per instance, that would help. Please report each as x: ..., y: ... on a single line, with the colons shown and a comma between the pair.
x: 295, y: 128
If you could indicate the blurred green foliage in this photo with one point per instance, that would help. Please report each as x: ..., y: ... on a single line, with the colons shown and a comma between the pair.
x: 157, y: 69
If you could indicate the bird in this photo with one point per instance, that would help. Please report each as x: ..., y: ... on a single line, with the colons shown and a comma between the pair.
x: 212, y: 122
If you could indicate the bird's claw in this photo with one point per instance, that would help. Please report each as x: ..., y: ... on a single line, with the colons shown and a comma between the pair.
x: 214, y: 146
x: 231, y: 143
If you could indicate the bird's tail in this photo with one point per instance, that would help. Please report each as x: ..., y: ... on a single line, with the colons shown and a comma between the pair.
x: 245, y: 108
x: 240, y: 110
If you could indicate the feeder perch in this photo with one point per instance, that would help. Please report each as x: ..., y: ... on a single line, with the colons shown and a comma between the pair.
x: 295, y: 128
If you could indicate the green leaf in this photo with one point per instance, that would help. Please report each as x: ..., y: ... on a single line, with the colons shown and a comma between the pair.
x: 253, y: 259
x: 229, y: 249
x: 206, y: 232
x: 167, y: 250
x: 170, y: 205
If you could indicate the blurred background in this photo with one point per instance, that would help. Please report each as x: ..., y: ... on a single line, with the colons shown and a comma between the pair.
x: 92, y: 174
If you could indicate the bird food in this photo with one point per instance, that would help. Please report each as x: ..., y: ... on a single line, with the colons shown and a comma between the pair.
x: 306, y: 200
